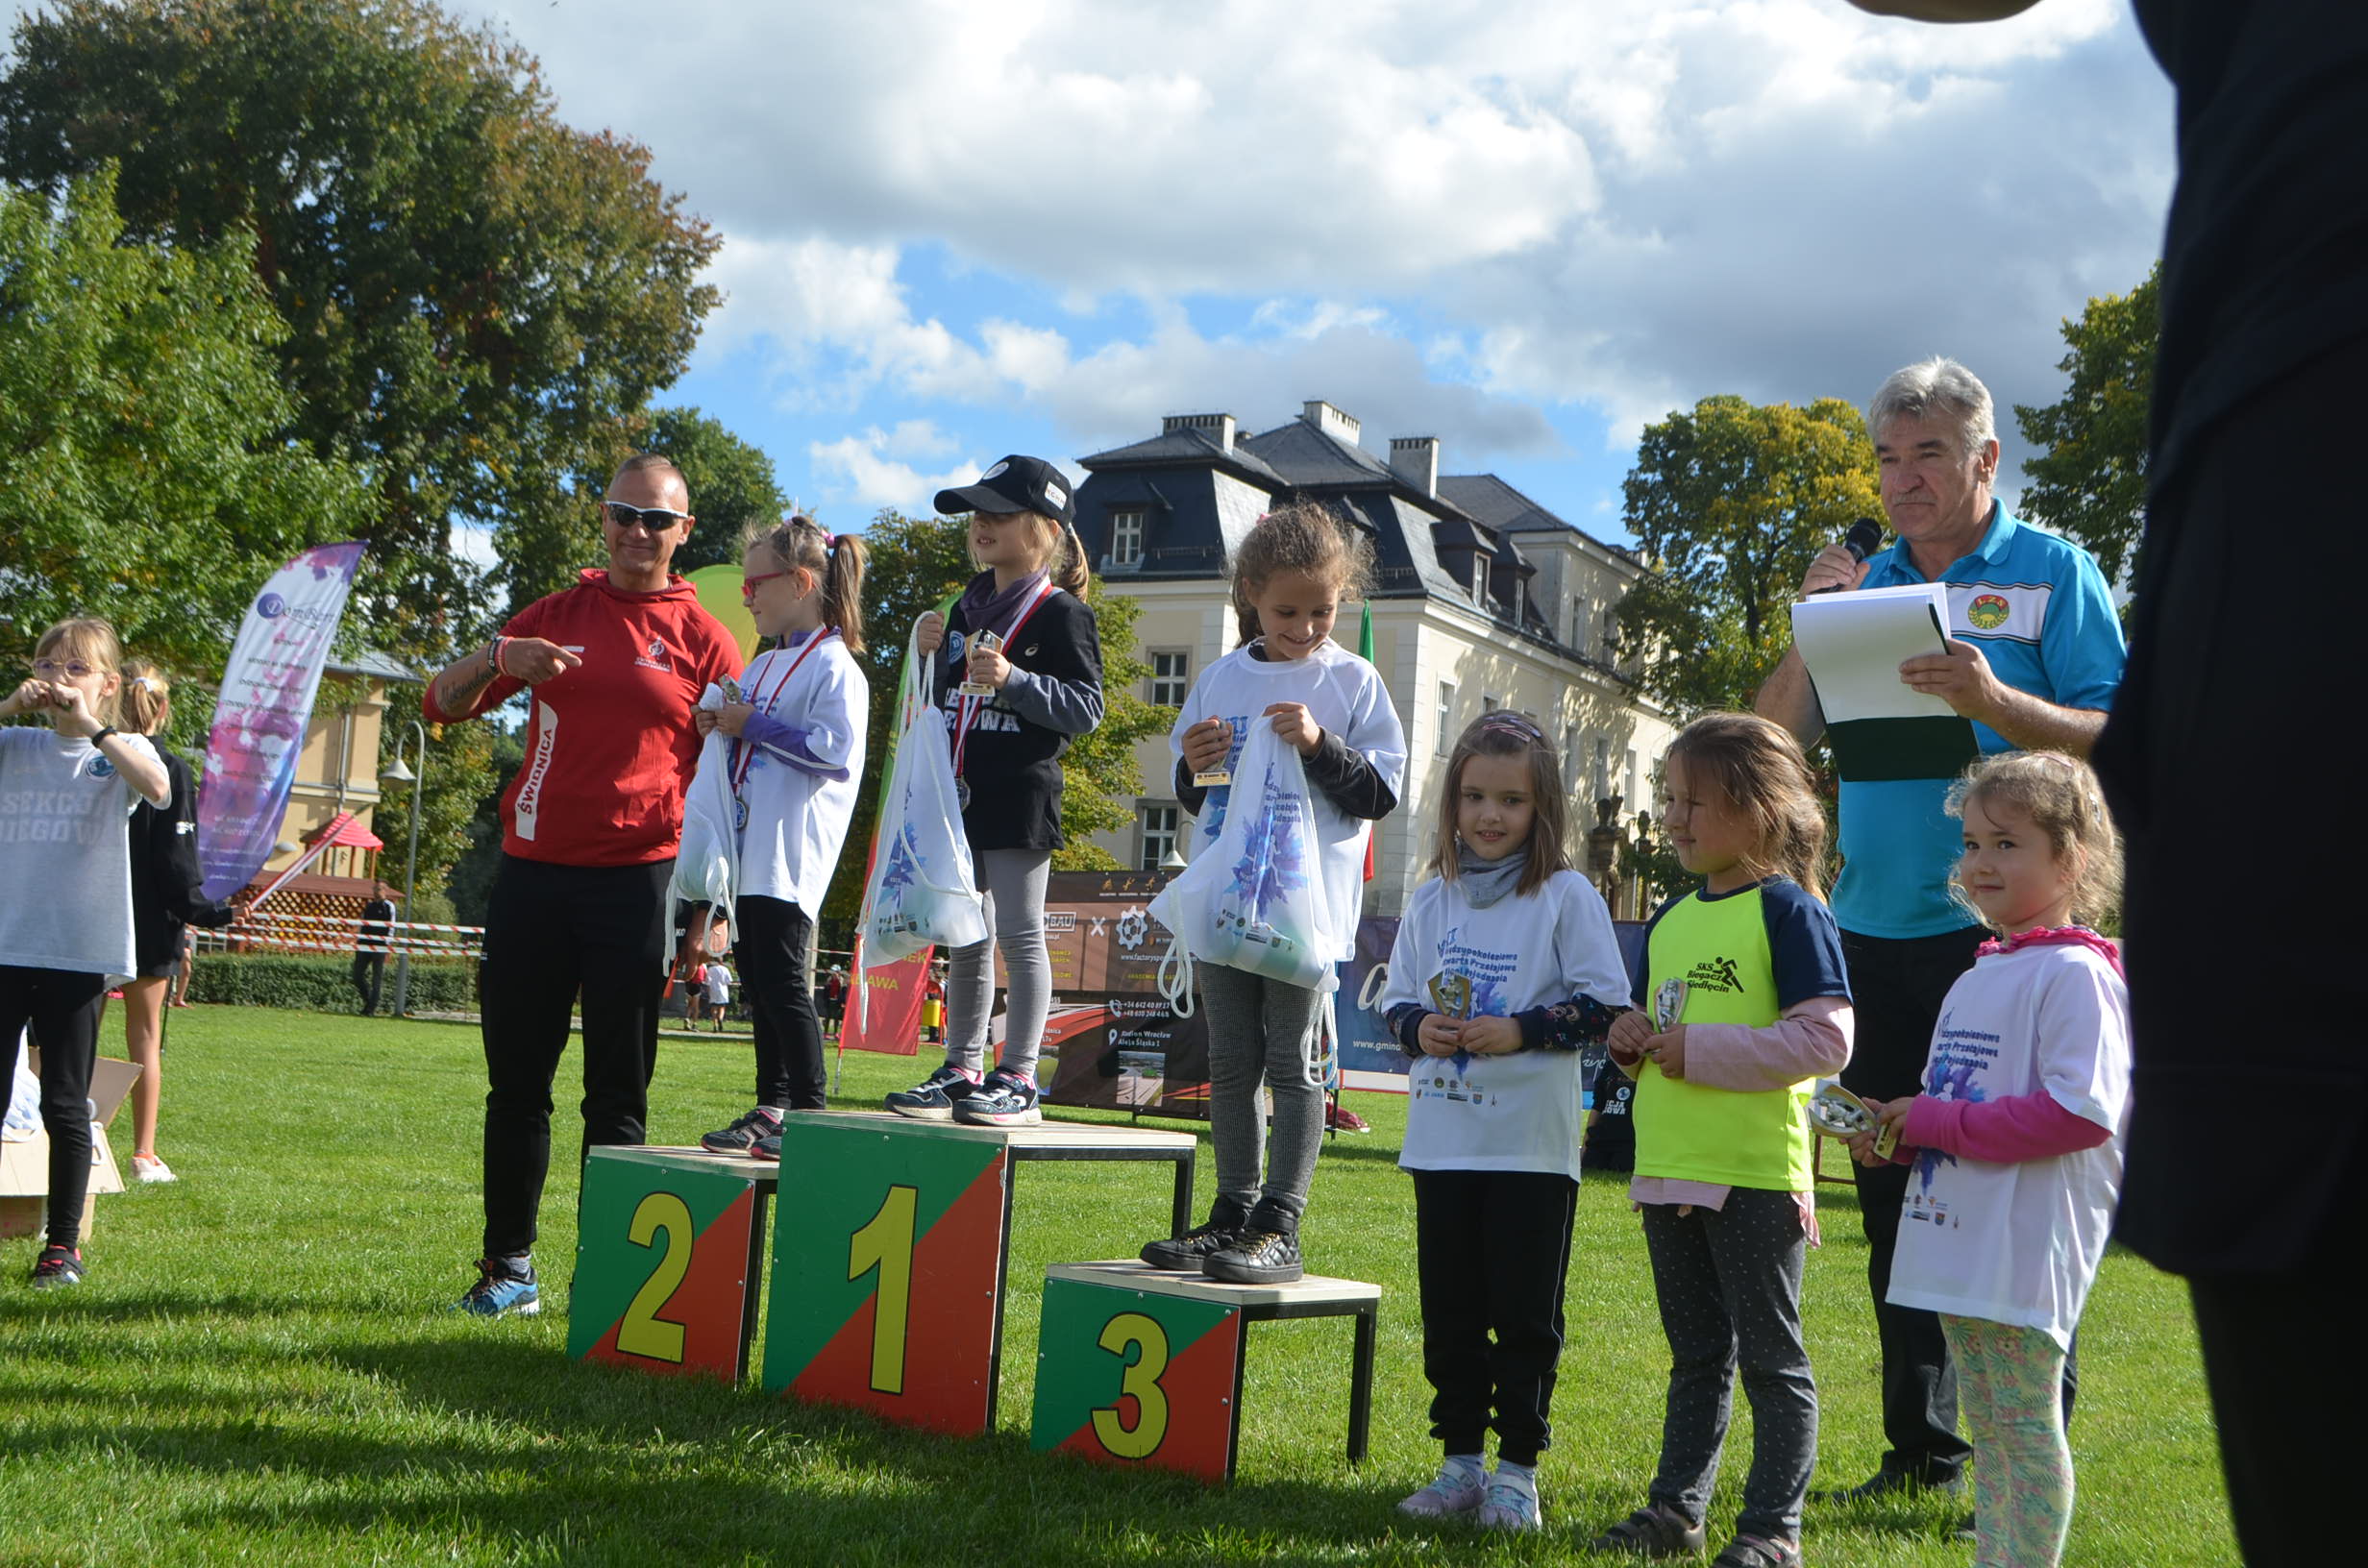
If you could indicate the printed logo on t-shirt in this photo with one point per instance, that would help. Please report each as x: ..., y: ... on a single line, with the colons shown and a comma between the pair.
x: 1714, y: 974
x: 1959, y: 1054
x: 1987, y: 613
x: 100, y: 766
x: 655, y: 657
x: 2013, y: 612
x: 523, y: 814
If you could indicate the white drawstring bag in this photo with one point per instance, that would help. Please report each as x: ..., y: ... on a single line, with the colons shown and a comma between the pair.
x: 707, y: 865
x: 922, y: 891
x: 1253, y: 898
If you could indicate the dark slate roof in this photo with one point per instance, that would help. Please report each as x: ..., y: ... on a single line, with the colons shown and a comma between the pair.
x: 1187, y: 446
x: 1308, y: 459
x: 1507, y: 511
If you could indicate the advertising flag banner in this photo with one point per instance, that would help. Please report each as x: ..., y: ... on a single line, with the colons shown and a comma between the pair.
x: 260, y: 718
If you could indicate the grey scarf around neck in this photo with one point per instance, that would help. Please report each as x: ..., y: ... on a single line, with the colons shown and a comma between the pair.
x: 1483, y: 882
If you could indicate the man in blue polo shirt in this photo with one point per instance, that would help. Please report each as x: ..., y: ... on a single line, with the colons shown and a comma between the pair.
x: 2033, y: 654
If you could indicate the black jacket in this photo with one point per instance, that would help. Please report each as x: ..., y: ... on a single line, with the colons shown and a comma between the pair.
x: 168, y: 886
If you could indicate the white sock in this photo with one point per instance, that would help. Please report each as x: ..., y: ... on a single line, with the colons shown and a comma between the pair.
x: 1522, y: 1476
x: 773, y: 1111
x: 1464, y: 1467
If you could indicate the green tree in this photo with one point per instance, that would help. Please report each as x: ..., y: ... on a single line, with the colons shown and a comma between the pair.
x: 732, y: 481
x: 460, y: 773
x: 1728, y: 502
x: 915, y: 563
x: 476, y: 297
x: 2089, y: 481
x: 141, y: 476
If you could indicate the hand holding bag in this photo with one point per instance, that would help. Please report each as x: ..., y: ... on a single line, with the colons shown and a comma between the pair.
x: 922, y: 891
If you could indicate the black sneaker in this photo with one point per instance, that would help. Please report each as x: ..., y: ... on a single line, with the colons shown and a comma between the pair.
x: 56, y: 1266
x: 1001, y: 1100
x: 741, y: 1135
x: 1890, y: 1484
x: 932, y: 1098
x: 1255, y: 1256
x: 1189, y: 1251
x: 767, y: 1148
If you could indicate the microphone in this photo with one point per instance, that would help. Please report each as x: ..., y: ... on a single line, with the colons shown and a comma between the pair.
x: 1865, y: 537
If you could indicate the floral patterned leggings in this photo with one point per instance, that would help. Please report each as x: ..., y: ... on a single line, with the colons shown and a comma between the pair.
x: 2009, y: 1385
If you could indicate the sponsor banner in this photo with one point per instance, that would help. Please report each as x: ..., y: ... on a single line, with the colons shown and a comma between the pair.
x: 259, y: 718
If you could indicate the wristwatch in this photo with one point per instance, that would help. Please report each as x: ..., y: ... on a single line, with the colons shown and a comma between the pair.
x: 101, y: 737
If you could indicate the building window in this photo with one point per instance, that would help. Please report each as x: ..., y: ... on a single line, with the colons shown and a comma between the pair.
x: 1580, y: 612
x: 1487, y: 703
x: 1446, y: 715
x: 1636, y: 800
x: 1125, y: 538
x: 1611, y: 636
x: 1159, y: 835
x: 1570, y: 758
x: 1170, y: 677
x: 1480, y: 580
x: 1603, y: 767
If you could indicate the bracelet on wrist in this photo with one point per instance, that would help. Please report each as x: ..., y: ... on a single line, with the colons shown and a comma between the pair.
x: 99, y: 737
x: 493, y: 652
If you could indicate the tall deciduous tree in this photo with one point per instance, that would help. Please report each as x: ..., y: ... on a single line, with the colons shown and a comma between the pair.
x: 142, y: 477
x: 1728, y: 501
x: 2088, y: 480
x: 478, y: 297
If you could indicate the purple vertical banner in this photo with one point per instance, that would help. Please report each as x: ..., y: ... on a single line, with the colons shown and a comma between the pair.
x: 260, y: 718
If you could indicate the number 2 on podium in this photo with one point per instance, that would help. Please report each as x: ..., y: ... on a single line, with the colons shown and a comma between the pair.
x: 642, y: 1331
x: 1140, y: 1379
x: 886, y: 1243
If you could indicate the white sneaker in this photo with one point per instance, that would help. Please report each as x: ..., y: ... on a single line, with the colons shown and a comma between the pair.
x: 1511, y: 1503
x: 148, y: 1168
x: 1459, y: 1488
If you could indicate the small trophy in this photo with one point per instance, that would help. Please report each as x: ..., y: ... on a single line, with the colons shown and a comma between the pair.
x: 1836, y: 1112
x: 1452, y: 995
x: 979, y: 688
x: 1211, y: 778
x: 1669, y: 1005
x: 730, y: 689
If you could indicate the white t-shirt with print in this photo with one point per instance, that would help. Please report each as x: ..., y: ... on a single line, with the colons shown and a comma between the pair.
x: 797, y: 821
x: 2020, y: 1244
x: 719, y: 982
x: 1520, y: 1112
x: 1346, y: 695
x: 65, y: 859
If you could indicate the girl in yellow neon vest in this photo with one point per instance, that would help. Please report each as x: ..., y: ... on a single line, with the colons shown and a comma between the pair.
x: 1744, y: 1007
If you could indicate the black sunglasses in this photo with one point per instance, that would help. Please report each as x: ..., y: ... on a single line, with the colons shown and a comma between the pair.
x: 656, y: 518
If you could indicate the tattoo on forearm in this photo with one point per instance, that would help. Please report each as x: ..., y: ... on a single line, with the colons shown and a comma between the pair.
x: 459, y: 687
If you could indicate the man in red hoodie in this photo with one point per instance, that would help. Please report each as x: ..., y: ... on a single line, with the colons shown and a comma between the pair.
x: 590, y: 830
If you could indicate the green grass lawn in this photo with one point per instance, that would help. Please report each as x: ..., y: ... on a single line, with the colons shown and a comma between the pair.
x: 261, y: 1367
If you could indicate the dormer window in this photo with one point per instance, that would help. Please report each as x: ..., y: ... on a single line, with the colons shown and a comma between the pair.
x: 1126, y: 538
x: 1479, y: 580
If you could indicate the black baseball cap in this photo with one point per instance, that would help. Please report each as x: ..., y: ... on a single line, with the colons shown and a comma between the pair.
x: 1015, y: 484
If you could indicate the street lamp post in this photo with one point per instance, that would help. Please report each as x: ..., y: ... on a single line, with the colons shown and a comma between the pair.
x: 397, y: 773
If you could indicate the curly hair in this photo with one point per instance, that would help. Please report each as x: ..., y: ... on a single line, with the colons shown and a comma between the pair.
x: 1305, y: 536
x: 2060, y: 797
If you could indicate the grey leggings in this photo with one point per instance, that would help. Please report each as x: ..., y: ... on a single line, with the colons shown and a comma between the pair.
x: 1258, y: 1032
x: 1012, y: 881
x: 1729, y: 1280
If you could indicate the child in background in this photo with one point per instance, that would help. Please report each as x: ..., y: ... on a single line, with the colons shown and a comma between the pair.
x: 1022, y: 638
x: 2016, y: 1138
x: 168, y: 897
x: 797, y: 730
x: 1289, y: 577
x: 66, y: 798
x: 1748, y: 1006
x: 1504, y: 969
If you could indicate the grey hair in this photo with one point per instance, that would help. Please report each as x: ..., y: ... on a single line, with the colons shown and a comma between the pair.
x: 1937, y: 386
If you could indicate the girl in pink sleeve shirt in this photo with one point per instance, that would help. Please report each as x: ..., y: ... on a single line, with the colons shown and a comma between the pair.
x: 2016, y: 1139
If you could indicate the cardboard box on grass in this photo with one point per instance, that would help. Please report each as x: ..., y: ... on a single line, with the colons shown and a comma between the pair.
x: 24, y: 1167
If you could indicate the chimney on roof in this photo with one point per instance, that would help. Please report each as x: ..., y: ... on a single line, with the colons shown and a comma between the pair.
x: 1414, y: 458
x: 1218, y: 428
x: 1330, y: 420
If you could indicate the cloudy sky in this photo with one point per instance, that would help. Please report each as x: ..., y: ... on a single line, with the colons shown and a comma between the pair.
x: 958, y: 228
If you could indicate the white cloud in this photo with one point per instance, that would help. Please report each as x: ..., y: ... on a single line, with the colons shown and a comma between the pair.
x: 870, y: 469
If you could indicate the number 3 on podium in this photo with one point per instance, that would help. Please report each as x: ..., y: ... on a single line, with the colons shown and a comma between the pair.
x: 1140, y: 1439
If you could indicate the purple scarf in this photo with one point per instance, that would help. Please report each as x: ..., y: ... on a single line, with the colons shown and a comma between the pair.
x: 982, y: 608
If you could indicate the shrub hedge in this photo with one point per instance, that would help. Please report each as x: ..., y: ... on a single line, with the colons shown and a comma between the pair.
x: 325, y: 985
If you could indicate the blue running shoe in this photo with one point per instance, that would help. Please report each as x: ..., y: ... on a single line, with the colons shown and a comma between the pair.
x: 1001, y: 1100
x: 932, y: 1099
x: 500, y: 1289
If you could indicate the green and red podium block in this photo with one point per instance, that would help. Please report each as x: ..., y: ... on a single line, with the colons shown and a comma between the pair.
x: 889, y: 1267
x: 669, y: 1257
x: 1143, y: 1366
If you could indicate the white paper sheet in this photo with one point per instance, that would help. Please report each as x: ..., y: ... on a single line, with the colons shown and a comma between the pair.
x: 1854, y: 643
